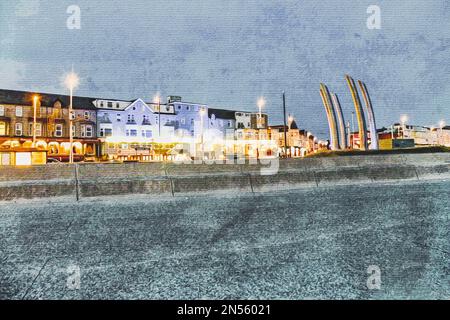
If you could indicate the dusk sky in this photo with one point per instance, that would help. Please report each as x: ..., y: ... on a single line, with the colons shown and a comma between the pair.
x: 228, y: 53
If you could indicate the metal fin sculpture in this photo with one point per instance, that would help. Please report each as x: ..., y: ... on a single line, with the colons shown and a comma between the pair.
x: 374, y: 145
x: 341, y: 122
x: 334, y: 136
x: 359, y: 113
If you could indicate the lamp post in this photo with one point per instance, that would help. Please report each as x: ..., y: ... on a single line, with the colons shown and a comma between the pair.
x: 284, y: 124
x: 403, y: 120
x: 157, y: 100
x: 261, y: 103
x: 202, y: 113
x: 35, y: 102
x: 71, y: 82
x: 441, y: 127
x: 290, y: 120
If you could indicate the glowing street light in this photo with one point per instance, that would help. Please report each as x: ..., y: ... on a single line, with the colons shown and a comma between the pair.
x: 35, y: 103
x: 441, y: 126
x: 261, y: 103
x: 403, y: 120
x: 71, y: 81
x: 157, y: 100
x: 202, y: 114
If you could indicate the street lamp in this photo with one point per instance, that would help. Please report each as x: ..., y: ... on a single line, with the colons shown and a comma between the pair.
x: 202, y: 114
x: 157, y: 100
x: 35, y: 103
x: 261, y: 103
x: 290, y: 120
x: 403, y: 120
x: 71, y: 82
x: 441, y: 126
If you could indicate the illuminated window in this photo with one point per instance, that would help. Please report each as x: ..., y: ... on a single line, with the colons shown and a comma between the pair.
x: 19, y: 129
x: 23, y: 158
x: 58, y: 130
x: 2, y: 128
x: 19, y: 111
x: 38, y: 129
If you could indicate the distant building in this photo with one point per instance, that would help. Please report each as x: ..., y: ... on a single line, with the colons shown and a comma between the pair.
x: 298, y: 141
x: 52, y: 123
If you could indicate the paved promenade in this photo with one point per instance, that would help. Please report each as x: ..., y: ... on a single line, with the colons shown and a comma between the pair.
x: 298, y: 244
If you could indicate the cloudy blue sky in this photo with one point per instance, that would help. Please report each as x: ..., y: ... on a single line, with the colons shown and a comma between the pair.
x: 228, y: 53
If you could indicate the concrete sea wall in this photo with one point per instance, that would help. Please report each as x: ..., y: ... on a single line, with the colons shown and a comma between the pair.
x: 87, y: 180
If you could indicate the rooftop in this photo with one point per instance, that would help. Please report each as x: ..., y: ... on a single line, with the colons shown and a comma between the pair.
x: 47, y: 99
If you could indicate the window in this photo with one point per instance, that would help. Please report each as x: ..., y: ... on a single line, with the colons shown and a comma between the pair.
x: 86, y: 115
x: 188, y: 108
x: 183, y: 120
x: 117, y: 105
x: 133, y: 133
x: 229, y: 123
x: 19, y: 129
x: 86, y: 131
x: 101, y: 104
x: 89, y: 131
x: 110, y: 104
x: 74, y: 130
x: 38, y: 129
x: 2, y: 111
x: 147, y: 133
x: 192, y: 121
x: 179, y: 107
x: 2, y: 128
x: 58, y: 130
x: 130, y: 118
x: 118, y: 117
x: 19, y: 111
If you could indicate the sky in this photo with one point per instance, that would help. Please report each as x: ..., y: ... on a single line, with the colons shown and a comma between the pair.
x: 229, y: 53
